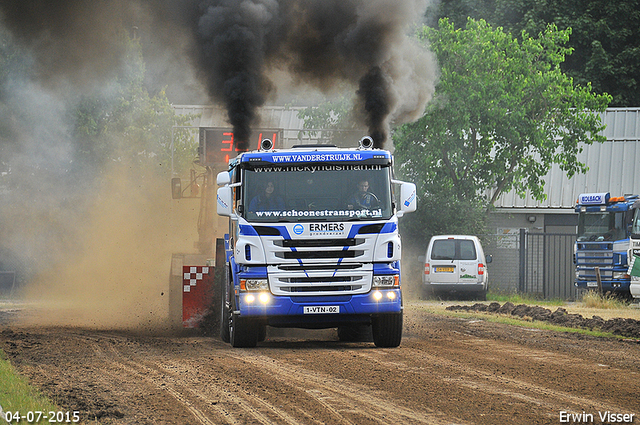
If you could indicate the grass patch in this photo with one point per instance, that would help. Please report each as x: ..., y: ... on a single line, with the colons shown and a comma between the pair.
x: 607, y: 301
x: 521, y: 322
x: 17, y: 395
x: 516, y: 299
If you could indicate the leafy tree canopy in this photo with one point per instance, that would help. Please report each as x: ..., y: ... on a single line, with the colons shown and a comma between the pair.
x: 503, y: 113
x: 604, y: 36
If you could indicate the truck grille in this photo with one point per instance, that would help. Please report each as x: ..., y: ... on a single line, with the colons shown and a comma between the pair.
x: 594, y: 254
x: 320, y: 289
x: 319, y: 279
x: 590, y: 274
x: 320, y: 249
x: 326, y: 266
x: 317, y: 243
x: 302, y: 255
x: 316, y: 267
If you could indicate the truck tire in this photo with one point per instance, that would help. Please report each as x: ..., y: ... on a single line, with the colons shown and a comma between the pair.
x: 262, y: 332
x: 355, y: 333
x: 387, y: 329
x: 242, y: 331
x: 225, y: 314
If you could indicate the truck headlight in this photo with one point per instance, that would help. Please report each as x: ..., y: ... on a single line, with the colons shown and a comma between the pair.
x: 620, y: 275
x: 386, y: 281
x: 254, y: 284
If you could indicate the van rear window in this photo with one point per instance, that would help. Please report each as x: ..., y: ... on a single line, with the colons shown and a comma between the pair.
x: 453, y: 249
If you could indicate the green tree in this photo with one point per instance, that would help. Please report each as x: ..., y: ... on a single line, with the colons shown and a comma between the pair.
x: 605, y: 36
x: 502, y: 114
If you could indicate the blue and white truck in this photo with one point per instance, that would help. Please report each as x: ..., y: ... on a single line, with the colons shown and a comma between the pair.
x: 313, y: 242
x: 634, y: 251
x: 604, y: 225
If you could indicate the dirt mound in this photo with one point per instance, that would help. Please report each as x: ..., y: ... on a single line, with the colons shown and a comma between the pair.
x: 618, y: 326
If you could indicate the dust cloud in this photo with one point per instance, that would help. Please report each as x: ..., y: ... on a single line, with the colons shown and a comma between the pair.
x: 113, y: 269
x: 95, y: 241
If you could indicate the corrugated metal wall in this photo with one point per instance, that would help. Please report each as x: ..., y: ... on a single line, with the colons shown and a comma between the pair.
x: 614, y: 166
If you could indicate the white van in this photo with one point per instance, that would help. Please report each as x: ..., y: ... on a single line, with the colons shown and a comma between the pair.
x: 455, y: 264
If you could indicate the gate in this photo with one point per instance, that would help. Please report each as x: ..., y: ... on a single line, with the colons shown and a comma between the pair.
x: 546, y: 265
x: 7, y: 284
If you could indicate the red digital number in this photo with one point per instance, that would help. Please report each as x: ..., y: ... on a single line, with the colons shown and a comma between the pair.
x: 227, y: 142
x: 273, y: 138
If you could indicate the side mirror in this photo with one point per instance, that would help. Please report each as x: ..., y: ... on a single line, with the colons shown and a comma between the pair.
x: 223, y: 178
x: 408, y: 197
x: 224, y: 201
x: 176, y: 188
x: 489, y: 258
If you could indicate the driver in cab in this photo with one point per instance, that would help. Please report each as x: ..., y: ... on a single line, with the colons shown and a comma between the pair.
x: 363, y: 198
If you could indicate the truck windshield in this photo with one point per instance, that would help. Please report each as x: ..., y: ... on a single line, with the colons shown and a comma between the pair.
x: 601, y: 226
x: 635, y: 227
x: 317, y: 193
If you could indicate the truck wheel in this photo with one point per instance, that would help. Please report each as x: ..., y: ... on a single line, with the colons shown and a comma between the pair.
x: 387, y: 329
x: 225, y: 314
x: 262, y: 333
x: 354, y: 333
x: 243, y: 332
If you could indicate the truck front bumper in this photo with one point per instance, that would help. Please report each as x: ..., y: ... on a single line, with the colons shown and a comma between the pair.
x: 614, y: 286
x: 319, y: 309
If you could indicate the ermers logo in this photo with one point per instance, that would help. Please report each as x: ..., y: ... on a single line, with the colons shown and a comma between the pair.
x: 326, y: 229
x: 298, y: 229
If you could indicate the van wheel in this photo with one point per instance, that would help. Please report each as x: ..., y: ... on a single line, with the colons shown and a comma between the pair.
x: 387, y: 329
x: 481, y: 296
x: 427, y: 292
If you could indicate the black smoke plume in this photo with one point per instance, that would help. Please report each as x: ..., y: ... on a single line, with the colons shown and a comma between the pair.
x: 235, y: 44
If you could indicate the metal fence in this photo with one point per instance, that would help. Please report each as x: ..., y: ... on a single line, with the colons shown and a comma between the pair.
x: 539, y: 264
x: 7, y: 284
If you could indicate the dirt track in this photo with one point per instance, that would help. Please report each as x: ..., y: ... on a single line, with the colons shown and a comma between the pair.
x: 447, y: 371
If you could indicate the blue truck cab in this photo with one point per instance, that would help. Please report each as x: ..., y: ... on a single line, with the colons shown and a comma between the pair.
x: 313, y: 241
x: 634, y: 252
x: 604, y: 224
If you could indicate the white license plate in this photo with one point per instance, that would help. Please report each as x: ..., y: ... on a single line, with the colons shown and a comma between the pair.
x: 592, y: 284
x: 322, y: 309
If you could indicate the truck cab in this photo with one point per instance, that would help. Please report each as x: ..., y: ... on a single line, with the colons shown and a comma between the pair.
x: 602, y: 243
x: 634, y: 252
x: 313, y: 241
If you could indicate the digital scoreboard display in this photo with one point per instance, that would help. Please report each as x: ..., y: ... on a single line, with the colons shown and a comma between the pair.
x: 217, y: 145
